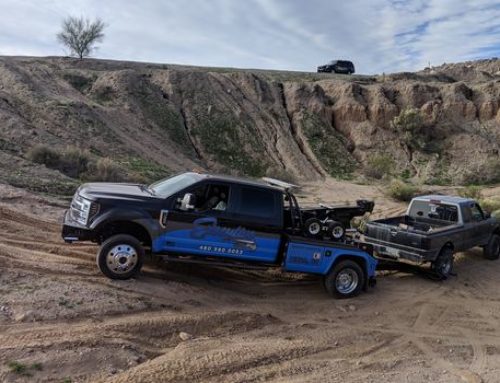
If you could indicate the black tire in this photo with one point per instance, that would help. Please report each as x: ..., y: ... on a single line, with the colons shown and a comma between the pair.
x: 336, y: 231
x: 120, y: 257
x: 313, y: 227
x: 443, y: 265
x: 337, y: 282
x: 492, y: 249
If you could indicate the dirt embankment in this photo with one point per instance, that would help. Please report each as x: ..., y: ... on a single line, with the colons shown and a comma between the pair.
x: 284, y: 124
x: 61, y: 320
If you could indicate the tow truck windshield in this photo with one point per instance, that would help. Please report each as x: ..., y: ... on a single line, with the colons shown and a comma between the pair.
x: 169, y: 186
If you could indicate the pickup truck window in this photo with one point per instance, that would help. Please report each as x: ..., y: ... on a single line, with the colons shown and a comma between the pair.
x: 472, y: 213
x: 427, y: 209
x: 257, y: 203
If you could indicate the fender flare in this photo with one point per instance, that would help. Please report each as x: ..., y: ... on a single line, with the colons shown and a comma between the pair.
x: 135, y: 216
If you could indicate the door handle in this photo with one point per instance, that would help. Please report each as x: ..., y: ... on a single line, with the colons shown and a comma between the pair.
x: 206, y: 221
x: 245, y: 243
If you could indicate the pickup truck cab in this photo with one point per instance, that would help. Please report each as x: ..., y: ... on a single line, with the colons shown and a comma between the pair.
x: 432, y: 230
x: 207, y: 219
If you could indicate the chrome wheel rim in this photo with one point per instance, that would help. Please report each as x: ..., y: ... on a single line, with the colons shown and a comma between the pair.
x: 121, y: 259
x: 347, y: 280
x: 338, y: 232
x: 314, y: 228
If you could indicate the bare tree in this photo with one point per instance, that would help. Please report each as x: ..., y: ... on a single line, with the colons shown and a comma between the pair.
x: 80, y: 35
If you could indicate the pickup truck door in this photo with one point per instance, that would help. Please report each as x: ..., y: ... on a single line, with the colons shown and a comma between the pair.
x: 477, y: 227
x: 208, y: 231
x: 481, y: 229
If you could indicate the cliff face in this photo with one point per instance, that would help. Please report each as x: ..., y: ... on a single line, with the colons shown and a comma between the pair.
x: 257, y: 123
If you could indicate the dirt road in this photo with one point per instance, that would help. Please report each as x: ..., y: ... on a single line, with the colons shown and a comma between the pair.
x: 62, y: 321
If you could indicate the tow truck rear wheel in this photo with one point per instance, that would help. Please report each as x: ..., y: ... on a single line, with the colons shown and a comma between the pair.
x: 120, y: 257
x: 345, y: 280
x: 443, y: 265
x: 492, y: 249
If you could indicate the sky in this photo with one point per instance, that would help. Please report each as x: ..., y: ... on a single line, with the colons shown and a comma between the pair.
x: 377, y: 35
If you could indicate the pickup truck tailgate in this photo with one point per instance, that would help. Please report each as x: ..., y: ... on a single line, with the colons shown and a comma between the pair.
x: 394, y: 235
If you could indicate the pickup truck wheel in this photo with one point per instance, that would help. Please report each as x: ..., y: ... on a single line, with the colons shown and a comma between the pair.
x: 345, y: 280
x: 492, y: 249
x: 443, y: 265
x: 336, y: 230
x: 120, y: 257
x: 312, y: 227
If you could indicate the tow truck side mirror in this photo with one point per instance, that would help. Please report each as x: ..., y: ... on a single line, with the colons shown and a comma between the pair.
x: 187, y: 202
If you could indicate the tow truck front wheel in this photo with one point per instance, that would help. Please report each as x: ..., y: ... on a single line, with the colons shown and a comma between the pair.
x: 345, y: 280
x: 120, y: 257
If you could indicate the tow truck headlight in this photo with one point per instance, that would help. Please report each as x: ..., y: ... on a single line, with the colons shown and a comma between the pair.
x: 81, y: 209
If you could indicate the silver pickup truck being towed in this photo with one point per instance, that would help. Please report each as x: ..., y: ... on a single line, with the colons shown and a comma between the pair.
x: 432, y: 230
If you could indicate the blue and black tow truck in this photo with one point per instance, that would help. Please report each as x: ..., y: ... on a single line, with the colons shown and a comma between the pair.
x: 218, y: 220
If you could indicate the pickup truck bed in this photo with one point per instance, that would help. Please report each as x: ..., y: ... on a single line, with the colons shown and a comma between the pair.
x: 417, y: 240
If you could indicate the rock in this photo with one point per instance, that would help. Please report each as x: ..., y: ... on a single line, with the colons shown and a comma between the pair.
x: 352, y: 308
x: 185, y: 336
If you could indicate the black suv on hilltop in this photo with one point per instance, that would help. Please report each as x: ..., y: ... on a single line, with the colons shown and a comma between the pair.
x: 337, y: 66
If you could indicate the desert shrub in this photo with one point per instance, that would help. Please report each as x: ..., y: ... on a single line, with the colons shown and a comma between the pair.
x: 45, y: 155
x: 471, y: 191
x: 74, y: 162
x: 405, y: 174
x: 402, y: 191
x: 379, y: 166
x: 105, y: 169
x: 410, y: 124
x: 485, y: 173
x: 490, y: 204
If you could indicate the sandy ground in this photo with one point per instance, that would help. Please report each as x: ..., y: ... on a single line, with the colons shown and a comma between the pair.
x: 62, y: 321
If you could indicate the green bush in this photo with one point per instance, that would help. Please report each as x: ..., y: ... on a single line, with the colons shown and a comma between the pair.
x: 402, y: 191
x: 471, y: 191
x: 379, y: 165
x: 410, y: 124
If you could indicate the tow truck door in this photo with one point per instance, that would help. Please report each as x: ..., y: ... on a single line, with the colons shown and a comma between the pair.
x: 259, y: 214
x: 223, y: 233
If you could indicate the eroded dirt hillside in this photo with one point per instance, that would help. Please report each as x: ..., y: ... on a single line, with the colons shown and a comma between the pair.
x: 284, y: 124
